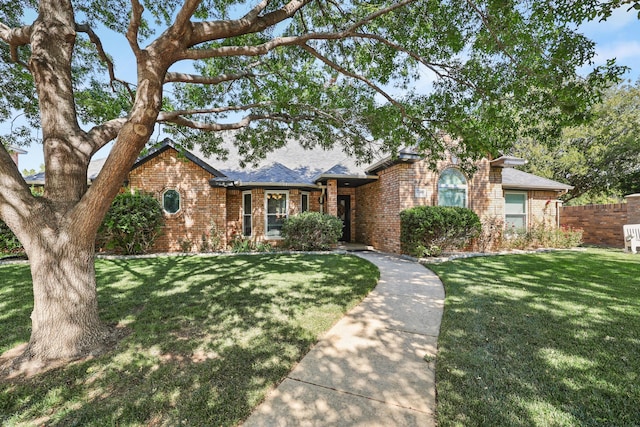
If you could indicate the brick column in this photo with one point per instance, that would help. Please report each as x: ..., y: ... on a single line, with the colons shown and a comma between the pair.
x: 633, y: 208
x: 332, y: 197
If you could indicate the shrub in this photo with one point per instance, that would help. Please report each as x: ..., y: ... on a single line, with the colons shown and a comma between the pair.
x: 132, y: 223
x: 543, y: 236
x: 9, y: 243
x: 310, y: 231
x: 429, y: 230
x: 242, y: 244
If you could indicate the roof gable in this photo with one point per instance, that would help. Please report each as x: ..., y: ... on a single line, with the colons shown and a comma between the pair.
x: 169, y: 144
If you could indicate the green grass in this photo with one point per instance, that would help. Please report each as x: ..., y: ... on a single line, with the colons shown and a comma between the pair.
x: 208, y: 337
x: 546, y: 340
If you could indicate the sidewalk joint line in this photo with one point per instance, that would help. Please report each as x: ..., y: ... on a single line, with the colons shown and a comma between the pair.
x: 360, y: 395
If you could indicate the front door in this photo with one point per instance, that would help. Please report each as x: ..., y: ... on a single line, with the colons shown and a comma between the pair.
x: 344, y: 213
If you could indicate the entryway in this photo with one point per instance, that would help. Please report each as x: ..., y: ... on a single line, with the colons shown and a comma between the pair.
x: 344, y: 213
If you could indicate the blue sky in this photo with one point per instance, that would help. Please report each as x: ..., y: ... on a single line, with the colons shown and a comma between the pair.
x: 618, y: 37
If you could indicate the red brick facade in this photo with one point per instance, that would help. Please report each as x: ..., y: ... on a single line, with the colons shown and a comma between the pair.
x: 602, y: 224
x: 215, y: 214
x: 203, y: 208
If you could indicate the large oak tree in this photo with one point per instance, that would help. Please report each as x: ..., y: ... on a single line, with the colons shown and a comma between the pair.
x: 320, y: 71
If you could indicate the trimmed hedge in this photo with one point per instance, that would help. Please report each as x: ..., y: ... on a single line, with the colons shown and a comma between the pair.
x: 132, y: 223
x: 311, y: 231
x: 430, y: 230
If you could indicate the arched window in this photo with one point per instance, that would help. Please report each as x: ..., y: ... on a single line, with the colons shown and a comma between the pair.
x: 171, y: 201
x: 452, y: 188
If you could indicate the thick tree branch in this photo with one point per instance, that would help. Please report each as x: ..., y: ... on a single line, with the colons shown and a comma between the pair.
x: 246, y: 121
x: 15, y: 196
x: 169, y: 115
x: 252, y: 22
x: 103, y: 134
x: 185, y: 13
x: 173, y: 77
x: 134, y: 26
x: 15, y: 37
x: 270, y: 20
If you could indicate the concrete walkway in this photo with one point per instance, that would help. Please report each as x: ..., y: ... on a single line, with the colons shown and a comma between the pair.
x: 370, y: 369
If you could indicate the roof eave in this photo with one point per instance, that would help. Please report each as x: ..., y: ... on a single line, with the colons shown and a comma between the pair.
x: 537, y: 187
x: 260, y: 184
x: 390, y: 161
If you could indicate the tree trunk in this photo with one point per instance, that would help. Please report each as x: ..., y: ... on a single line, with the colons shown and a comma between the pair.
x: 65, y: 322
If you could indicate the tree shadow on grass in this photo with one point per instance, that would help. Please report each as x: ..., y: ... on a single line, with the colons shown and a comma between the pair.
x: 208, y: 338
x: 541, y: 340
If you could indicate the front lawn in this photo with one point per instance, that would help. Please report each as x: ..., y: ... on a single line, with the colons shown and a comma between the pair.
x: 547, y: 339
x: 207, y: 337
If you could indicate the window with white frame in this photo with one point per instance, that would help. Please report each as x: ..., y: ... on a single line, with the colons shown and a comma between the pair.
x: 452, y: 188
x: 246, y: 214
x: 171, y: 201
x: 304, y: 202
x: 515, y: 210
x: 276, y: 209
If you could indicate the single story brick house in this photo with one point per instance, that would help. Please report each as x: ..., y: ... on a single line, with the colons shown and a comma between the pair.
x: 207, y: 200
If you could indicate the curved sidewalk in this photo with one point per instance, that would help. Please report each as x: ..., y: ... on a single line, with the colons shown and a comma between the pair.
x: 375, y: 367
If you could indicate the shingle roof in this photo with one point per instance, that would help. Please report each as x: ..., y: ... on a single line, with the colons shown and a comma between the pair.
x: 516, y: 179
x: 295, y: 165
x: 272, y: 173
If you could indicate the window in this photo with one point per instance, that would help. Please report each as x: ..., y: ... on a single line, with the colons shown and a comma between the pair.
x: 452, y: 188
x: 171, y: 201
x: 515, y: 211
x: 304, y: 202
x: 246, y: 213
x: 276, y: 212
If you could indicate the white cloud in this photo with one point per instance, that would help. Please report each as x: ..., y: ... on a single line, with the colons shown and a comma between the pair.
x: 618, y: 20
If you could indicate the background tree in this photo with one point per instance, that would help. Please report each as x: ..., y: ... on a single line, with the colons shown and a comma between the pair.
x: 315, y: 70
x: 600, y: 158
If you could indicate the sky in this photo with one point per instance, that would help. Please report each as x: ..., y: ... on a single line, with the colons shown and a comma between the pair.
x: 618, y: 37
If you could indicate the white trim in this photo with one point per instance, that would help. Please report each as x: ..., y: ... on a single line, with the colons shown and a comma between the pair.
x: 525, y: 214
x: 266, y: 212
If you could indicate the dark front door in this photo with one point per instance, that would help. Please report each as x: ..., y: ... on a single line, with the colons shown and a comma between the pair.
x: 344, y: 213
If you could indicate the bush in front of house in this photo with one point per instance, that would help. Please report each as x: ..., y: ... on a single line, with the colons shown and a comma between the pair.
x: 311, y: 231
x: 9, y: 243
x: 542, y: 235
x: 430, y: 230
x: 132, y: 224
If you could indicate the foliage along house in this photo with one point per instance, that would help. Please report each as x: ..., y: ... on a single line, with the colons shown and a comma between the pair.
x: 214, y: 201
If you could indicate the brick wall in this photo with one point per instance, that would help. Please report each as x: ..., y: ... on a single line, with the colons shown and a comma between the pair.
x: 202, y: 207
x: 602, y: 224
x: 486, y: 197
x: 405, y: 185
x: 379, y: 207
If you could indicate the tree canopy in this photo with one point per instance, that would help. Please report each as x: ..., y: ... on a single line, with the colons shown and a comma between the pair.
x: 600, y: 158
x: 323, y: 71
